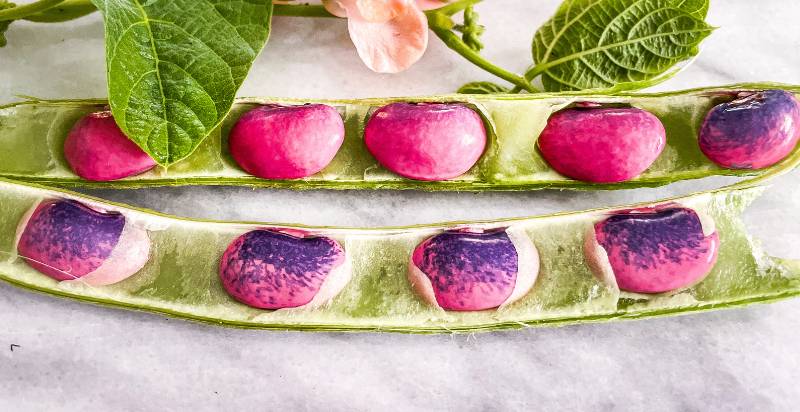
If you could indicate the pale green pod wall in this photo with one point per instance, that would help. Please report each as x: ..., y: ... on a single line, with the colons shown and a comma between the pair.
x: 181, y: 277
x: 32, y: 134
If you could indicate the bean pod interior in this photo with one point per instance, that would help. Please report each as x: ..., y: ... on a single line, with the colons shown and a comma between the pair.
x: 436, y: 143
x: 681, y: 255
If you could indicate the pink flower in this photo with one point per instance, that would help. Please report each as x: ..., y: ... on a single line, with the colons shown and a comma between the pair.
x: 390, y: 35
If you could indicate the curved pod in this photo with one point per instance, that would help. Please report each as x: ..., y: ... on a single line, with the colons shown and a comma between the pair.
x: 752, y: 132
x: 176, y: 284
x: 511, y: 163
x: 270, y: 269
x: 286, y: 142
x: 69, y: 241
x: 468, y: 271
x: 652, y: 250
x: 426, y: 141
x: 602, y: 144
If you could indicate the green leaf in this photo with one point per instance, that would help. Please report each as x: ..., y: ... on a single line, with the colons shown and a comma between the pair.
x: 697, y: 8
x: 601, y: 44
x: 174, y: 66
x: 482, y: 88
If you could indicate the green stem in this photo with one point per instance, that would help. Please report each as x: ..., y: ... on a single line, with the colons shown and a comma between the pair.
x: 20, y: 12
x: 456, y: 7
x: 456, y: 44
x: 66, y: 11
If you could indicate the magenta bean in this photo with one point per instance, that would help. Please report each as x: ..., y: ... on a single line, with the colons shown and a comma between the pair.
x: 268, y: 269
x: 467, y: 271
x: 753, y: 132
x: 67, y: 240
x: 286, y: 142
x: 96, y: 149
x: 602, y: 145
x: 653, y: 250
x: 426, y: 141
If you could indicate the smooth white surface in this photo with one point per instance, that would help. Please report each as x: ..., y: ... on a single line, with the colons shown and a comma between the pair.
x: 75, y: 356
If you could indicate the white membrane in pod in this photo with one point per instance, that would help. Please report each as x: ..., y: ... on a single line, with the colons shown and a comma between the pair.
x: 527, y: 264
x: 597, y: 258
x: 421, y: 283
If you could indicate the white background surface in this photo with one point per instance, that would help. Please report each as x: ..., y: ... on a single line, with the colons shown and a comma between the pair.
x: 75, y: 356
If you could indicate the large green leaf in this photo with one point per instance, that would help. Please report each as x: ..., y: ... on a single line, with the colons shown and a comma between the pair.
x: 697, y: 8
x: 592, y: 44
x: 174, y: 66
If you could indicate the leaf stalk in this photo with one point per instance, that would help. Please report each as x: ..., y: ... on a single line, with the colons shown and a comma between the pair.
x: 21, y: 12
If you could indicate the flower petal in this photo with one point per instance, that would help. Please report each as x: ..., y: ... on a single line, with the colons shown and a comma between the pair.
x: 431, y: 4
x: 392, y: 46
x: 334, y: 7
x: 380, y: 11
x: 375, y: 11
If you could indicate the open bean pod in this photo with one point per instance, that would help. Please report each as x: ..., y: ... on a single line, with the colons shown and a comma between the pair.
x: 679, y: 255
x: 437, y: 138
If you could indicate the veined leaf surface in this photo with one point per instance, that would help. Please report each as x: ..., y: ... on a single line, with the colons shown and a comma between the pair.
x: 174, y: 66
x: 592, y: 44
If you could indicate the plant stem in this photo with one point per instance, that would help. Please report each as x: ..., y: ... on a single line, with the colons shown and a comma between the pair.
x: 66, y: 11
x: 456, y: 7
x: 20, y: 12
x: 456, y: 44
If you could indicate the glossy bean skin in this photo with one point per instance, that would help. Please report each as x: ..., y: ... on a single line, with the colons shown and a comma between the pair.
x: 602, y: 144
x: 268, y: 269
x: 752, y: 132
x: 653, y: 250
x: 426, y: 141
x: 286, y: 142
x: 467, y: 271
x: 96, y: 149
x: 69, y: 241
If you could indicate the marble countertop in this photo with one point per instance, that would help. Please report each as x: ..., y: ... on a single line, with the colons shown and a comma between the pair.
x: 76, y: 356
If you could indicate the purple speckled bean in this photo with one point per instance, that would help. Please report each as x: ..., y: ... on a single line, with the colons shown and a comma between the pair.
x: 753, y: 132
x: 96, y: 149
x: 653, y: 250
x: 426, y: 141
x: 286, y: 142
x: 268, y: 269
x: 602, y: 145
x: 67, y: 240
x: 467, y: 271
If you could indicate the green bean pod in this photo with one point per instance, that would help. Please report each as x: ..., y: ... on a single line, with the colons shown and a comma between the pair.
x: 181, y: 275
x: 32, y: 135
